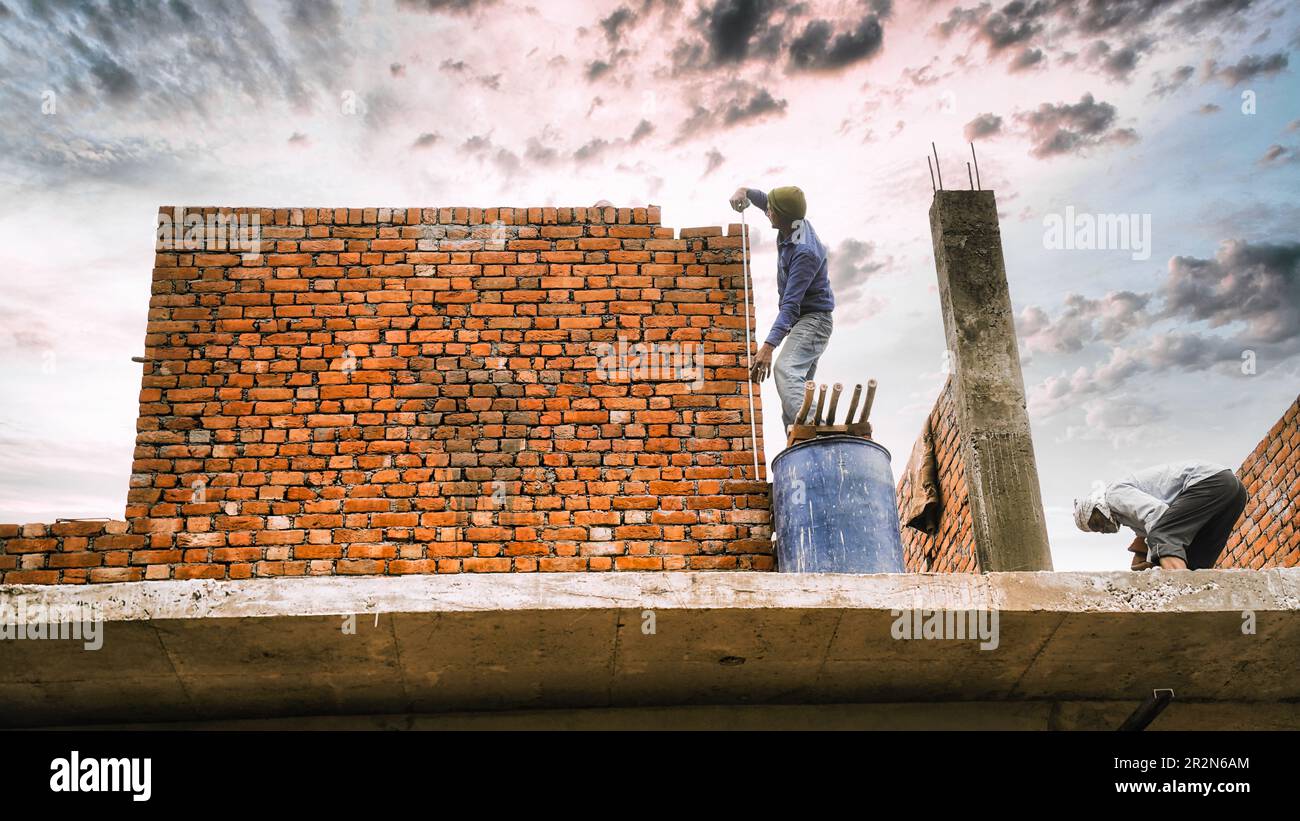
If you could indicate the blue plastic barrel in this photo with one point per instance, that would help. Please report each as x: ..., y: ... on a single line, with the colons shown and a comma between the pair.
x: 833, y: 508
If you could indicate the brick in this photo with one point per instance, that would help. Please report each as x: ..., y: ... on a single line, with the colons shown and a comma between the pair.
x: 369, y: 397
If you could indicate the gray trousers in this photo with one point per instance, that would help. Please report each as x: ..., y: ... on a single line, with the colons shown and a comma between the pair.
x: 797, y: 361
x: 1196, y: 525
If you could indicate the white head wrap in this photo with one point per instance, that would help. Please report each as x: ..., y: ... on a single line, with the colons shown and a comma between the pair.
x: 1095, y: 501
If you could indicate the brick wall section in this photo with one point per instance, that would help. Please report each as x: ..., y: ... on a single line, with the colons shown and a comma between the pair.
x: 1267, y: 534
x: 952, y: 548
x: 391, y: 391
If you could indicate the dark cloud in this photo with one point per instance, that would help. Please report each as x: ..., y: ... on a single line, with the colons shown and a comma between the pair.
x: 1066, y: 128
x: 817, y: 48
x: 732, y: 26
x: 1257, y: 284
x: 592, y: 149
x: 1277, y: 154
x: 1251, y: 287
x: 1118, y: 63
x: 745, y: 106
x: 985, y: 125
x: 738, y: 111
x: 615, y: 21
x: 1026, y: 59
x: 715, y: 160
x: 426, y: 140
x: 299, y: 140
x: 643, y: 129
x: 597, y: 68
x: 1102, y: 16
x: 851, y: 264
x: 476, y: 144
x: 452, y: 65
x: 960, y: 18
x: 397, y: 70
x: 1246, y: 69
x: 1208, y: 108
x: 118, y: 83
x: 444, y: 6
x: 1013, y: 24
x: 1197, y: 15
x: 1023, y: 26
x: 732, y: 32
x: 313, y: 14
x: 152, y: 57
x: 538, y: 152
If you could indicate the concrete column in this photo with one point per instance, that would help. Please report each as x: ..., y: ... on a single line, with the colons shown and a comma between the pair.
x: 989, y: 390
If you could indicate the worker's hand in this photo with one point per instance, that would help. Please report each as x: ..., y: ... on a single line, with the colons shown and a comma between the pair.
x: 740, y: 199
x: 762, y: 364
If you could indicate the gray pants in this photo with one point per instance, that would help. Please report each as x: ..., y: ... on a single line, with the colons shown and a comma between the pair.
x: 1196, y: 525
x: 797, y: 361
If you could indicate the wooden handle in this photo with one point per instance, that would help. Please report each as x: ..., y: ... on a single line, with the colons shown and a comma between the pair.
x: 853, y: 404
x: 871, y: 397
x: 808, y: 388
x: 835, y: 401
x: 821, y: 400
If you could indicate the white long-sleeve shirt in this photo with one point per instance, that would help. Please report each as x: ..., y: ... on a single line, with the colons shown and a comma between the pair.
x: 1141, y: 498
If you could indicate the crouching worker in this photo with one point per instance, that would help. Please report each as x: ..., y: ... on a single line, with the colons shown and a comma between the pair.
x: 1182, y: 513
x: 803, y: 288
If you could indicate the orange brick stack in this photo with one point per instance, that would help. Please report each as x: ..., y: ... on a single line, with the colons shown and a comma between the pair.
x: 952, y: 548
x: 392, y: 391
x: 1267, y: 534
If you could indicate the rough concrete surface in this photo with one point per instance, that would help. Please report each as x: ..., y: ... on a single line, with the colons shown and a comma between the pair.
x: 221, y: 651
x: 997, y: 446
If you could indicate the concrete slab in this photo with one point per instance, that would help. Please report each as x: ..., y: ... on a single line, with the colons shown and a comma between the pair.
x: 217, y: 651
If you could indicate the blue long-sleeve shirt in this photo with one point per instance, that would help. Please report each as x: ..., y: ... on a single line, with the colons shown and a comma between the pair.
x: 803, y: 281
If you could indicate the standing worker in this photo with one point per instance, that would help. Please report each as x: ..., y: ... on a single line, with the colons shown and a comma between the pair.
x: 1182, y: 512
x: 803, y: 287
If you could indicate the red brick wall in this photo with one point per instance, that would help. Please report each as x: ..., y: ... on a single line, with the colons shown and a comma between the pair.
x: 952, y: 548
x: 1267, y: 534
x: 388, y: 391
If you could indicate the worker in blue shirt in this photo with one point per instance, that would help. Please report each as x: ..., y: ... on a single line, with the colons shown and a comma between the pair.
x: 803, y: 286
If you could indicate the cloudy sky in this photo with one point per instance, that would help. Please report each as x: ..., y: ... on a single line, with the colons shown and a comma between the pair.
x: 1184, y: 114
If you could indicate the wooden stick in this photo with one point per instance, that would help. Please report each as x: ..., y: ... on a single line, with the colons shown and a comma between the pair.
x: 808, y: 388
x: 871, y: 397
x: 835, y: 401
x: 853, y: 404
x: 821, y: 400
